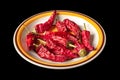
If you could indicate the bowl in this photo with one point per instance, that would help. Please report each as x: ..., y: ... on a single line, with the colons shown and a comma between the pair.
x: 96, y: 30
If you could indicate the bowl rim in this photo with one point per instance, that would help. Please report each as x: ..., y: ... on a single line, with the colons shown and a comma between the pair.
x: 94, y: 54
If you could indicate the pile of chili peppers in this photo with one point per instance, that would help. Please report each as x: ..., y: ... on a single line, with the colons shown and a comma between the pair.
x: 68, y: 42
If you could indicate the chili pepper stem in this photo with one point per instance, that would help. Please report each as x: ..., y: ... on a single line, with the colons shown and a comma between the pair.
x: 42, y: 41
x: 35, y: 45
x: 71, y: 45
x: 84, y: 26
x: 82, y: 52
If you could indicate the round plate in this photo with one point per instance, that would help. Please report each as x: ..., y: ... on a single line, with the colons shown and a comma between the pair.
x: 96, y: 30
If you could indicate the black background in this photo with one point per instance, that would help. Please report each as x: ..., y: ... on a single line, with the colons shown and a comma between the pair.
x: 103, y: 67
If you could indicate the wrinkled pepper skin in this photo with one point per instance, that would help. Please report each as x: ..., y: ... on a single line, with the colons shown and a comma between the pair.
x: 61, y: 27
x: 30, y: 40
x: 73, y: 27
x: 86, y: 40
x: 47, y: 25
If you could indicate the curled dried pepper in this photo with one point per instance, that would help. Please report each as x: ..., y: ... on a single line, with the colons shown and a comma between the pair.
x: 47, y: 25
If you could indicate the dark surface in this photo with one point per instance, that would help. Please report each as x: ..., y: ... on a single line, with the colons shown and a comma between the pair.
x: 17, y: 68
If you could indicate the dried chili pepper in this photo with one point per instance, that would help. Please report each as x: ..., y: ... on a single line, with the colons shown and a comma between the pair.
x: 58, y: 49
x: 60, y: 40
x: 44, y: 52
x: 72, y: 26
x: 61, y: 27
x: 80, y: 49
x: 47, y: 25
x: 30, y: 40
x: 62, y: 50
x: 59, y: 45
x: 86, y: 39
x: 65, y: 35
x: 59, y: 37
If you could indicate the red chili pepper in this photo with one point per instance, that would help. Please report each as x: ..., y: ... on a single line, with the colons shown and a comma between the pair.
x: 59, y: 53
x: 43, y: 52
x: 61, y: 27
x: 60, y: 40
x: 79, y: 46
x: 72, y: 38
x: 80, y: 49
x: 61, y: 50
x: 72, y: 26
x: 59, y: 37
x: 30, y: 40
x: 61, y: 34
x: 60, y: 58
x: 50, y: 44
x: 67, y: 36
x: 47, y: 25
x: 86, y: 39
